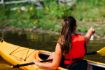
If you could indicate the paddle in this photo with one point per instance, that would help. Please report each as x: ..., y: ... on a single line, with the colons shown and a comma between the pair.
x: 30, y: 63
x: 101, y: 52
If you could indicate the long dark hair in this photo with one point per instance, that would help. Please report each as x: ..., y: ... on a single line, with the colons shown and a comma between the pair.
x: 66, y: 33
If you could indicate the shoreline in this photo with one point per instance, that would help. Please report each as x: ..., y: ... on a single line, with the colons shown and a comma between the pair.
x: 36, y: 30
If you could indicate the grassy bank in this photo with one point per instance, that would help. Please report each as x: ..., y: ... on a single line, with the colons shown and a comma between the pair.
x: 28, y: 16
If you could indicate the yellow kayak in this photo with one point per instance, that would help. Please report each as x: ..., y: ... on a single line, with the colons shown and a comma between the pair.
x: 15, y: 54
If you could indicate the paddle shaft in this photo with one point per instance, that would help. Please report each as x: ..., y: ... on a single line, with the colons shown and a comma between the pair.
x: 30, y: 63
x: 91, y: 53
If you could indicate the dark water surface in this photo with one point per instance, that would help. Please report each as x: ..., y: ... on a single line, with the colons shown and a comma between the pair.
x: 96, y: 45
x: 47, y: 42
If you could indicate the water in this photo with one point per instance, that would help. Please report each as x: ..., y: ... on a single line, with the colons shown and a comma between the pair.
x: 32, y: 40
x: 45, y: 42
x: 96, y: 45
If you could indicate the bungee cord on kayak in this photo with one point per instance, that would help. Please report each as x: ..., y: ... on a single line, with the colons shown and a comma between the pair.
x: 14, y: 50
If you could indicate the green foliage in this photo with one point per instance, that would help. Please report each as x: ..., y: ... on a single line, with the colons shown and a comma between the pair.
x: 29, y: 16
x: 83, y: 29
x: 89, y: 9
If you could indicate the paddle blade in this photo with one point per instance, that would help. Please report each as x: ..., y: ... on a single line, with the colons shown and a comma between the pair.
x: 101, y: 51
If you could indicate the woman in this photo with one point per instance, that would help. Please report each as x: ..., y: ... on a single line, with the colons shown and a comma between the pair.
x: 70, y: 47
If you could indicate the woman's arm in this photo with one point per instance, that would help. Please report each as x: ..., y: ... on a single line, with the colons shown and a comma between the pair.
x: 56, y: 59
x: 88, y: 35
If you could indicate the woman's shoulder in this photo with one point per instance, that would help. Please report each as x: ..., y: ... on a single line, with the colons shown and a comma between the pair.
x: 78, y: 35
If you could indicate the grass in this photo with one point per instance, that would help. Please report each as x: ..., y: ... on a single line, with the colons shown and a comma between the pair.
x: 87, y: 12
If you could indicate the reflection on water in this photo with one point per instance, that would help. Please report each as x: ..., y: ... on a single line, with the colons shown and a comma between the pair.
x: 48, y: 42
x: 32, y: 40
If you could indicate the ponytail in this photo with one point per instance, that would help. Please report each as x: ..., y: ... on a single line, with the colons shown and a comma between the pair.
x: 66, y: 34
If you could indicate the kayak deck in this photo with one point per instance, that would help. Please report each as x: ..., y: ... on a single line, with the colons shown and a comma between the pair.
x: 96, y: 64
x: 15, y: 54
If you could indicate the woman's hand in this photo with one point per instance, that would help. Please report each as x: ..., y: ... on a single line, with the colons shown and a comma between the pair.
x: 36, y: 63
x: 88, y: 35
x: 91, y: 31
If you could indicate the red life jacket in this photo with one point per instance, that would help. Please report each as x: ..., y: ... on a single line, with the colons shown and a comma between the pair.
x: 77, y: 51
